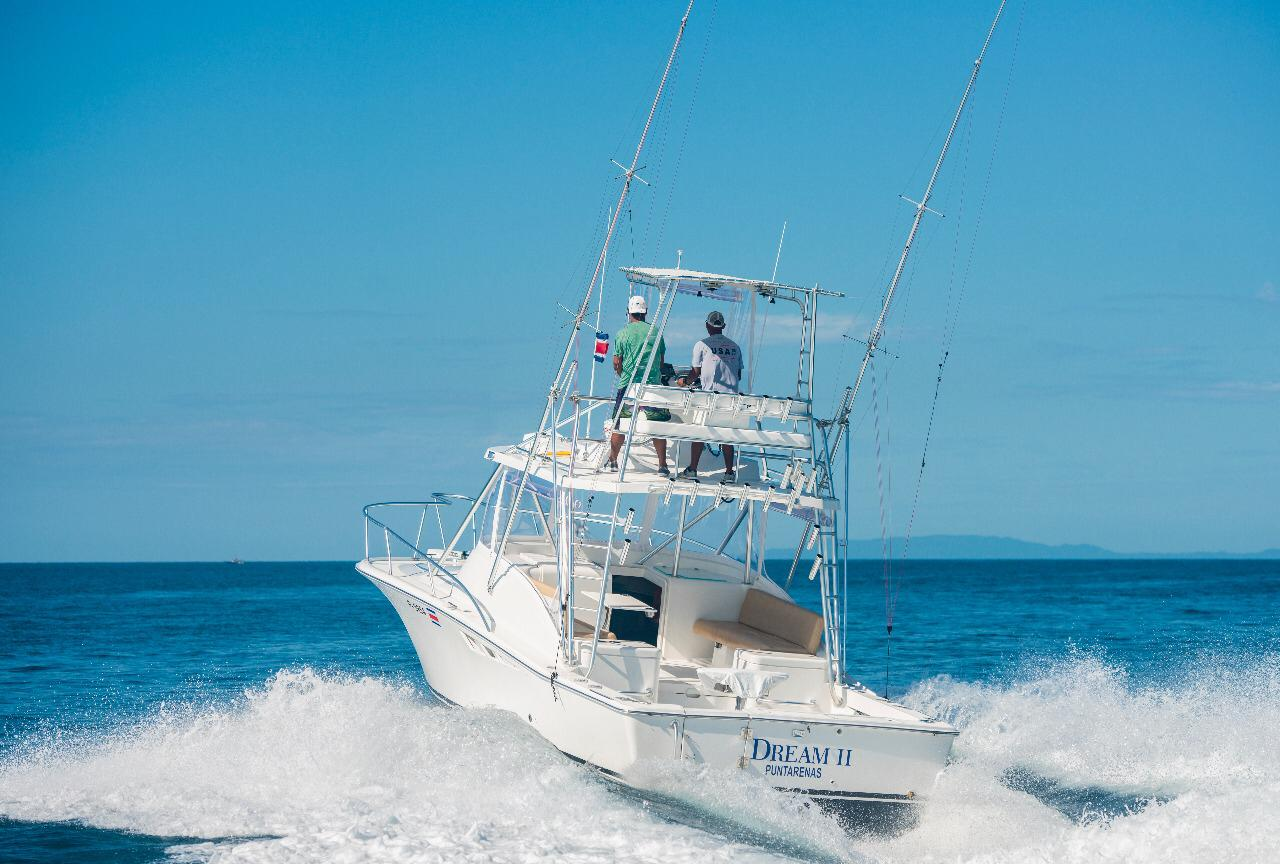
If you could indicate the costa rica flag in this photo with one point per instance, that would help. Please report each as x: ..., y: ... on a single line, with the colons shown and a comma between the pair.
x: 602, y: 346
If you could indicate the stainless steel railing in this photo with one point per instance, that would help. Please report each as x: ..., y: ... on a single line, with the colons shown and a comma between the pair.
x: 421, y: 557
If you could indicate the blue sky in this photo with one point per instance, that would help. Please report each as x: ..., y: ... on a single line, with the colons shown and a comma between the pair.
x: 263, y: 264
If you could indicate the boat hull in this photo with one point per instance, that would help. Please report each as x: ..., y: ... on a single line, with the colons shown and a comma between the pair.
x: 821, y: 756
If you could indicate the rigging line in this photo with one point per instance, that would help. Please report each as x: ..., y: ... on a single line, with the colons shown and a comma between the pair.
x: 952, y: 307
x: 949, y: 328
x: 758, y: 347
x: 688, y: 121
x: 657, y: 164
x: 955, y: 246
x: 896, y: 223
x: 895, y: 578
x: 921, y: 209
x: 927, y: 239
x: 576, y: 274
x: 986, y: 186
x: 844, y: 558
x: 658, y: 160
x: 924, y: 153
x: 887, y: 642
x: 631, y: 231
x: 886, y: 571
x: 591, y: 386
x: 886, y: 558
x: 635, y: 161
x: 598, y: 226
x: 855, y: 425
x: 554, y: 391
x: 907, y: 289
x: 630, y: 128
x: 757, y: 335
x: 886, y: 547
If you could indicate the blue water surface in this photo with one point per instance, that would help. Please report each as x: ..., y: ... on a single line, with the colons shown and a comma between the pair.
x: 89, y: 648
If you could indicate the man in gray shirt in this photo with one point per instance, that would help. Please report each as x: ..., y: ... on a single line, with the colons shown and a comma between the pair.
x: 717, y: 365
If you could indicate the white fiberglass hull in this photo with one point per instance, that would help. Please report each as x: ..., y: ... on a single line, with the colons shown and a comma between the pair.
x: 820, y: 755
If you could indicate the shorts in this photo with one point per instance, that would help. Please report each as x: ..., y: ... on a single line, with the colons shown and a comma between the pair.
x: 658, y: 415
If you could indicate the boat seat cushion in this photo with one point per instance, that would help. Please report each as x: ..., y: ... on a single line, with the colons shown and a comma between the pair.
x: 766, y: 623
x: 735, y: 634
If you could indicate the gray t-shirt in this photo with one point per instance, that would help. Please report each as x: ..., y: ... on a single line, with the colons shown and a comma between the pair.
x: 720, y: 360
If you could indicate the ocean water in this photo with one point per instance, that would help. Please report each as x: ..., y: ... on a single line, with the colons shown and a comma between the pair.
x: 1108, y: 711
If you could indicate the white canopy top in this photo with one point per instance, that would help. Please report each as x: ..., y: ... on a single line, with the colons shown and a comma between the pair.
x: 717, y: 285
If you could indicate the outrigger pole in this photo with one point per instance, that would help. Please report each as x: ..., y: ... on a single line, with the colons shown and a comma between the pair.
x: 841, y: 419
x: 627, y: 176
x: 554, y: 393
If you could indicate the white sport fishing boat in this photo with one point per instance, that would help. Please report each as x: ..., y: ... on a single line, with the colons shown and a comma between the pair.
x: 628, y: 615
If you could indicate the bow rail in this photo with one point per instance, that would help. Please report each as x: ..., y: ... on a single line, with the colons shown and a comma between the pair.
x: 423, y: 559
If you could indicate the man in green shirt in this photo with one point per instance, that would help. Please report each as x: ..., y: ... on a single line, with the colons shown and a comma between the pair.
x: 630, y: 359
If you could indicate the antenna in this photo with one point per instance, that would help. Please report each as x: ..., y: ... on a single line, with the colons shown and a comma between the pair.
x: 778, y: 257
x: 753, y: 342
x: 840, y: 421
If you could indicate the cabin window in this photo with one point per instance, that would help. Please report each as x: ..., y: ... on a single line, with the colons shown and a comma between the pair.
x: 528, y: 522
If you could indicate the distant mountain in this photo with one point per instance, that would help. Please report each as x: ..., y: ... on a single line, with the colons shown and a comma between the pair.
x: 976, y: 546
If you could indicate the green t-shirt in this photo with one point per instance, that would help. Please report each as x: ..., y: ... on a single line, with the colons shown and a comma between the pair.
x: 635, y: 354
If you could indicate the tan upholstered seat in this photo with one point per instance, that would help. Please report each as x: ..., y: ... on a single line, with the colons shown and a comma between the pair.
x: 766, y: 623
x: 735, y: 634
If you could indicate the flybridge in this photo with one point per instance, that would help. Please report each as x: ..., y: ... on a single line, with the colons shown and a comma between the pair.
x: 559, y: 478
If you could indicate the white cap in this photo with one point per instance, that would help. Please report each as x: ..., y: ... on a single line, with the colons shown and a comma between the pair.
x: 637, y: 306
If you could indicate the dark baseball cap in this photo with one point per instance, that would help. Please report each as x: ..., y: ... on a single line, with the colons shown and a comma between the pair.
x: 715, y: 319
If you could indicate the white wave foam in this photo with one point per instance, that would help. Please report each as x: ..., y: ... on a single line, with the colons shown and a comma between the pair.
x: 323, y: 768
x: 339, y: 768
x: 1198, y: 761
